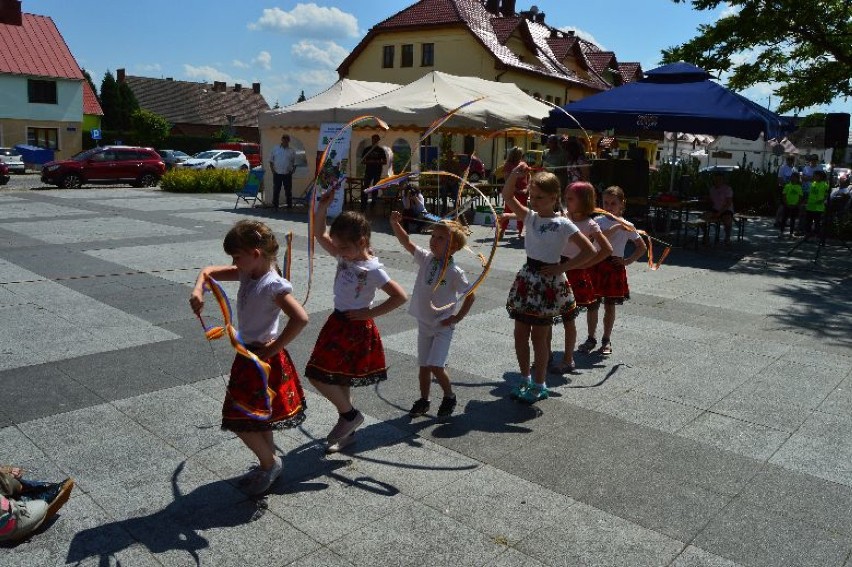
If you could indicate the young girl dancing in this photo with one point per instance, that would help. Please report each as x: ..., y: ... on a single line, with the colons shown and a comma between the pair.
x: 349, y: 350
x: 436, y: 308
x: 581, y: 202
x: 540, y: 296
x: 262, y: 296
x: 610, y: 276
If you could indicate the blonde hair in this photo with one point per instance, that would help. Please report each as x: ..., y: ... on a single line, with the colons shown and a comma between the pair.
x: 458, y: 233
x: 547, y: 183
x: 251, y: 234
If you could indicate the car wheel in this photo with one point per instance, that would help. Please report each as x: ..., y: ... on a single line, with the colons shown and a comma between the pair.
x: 147, y: 180
x: 72, y: 181
x: 473, y: 177
x: 243, y: 168
x: 210, y: 167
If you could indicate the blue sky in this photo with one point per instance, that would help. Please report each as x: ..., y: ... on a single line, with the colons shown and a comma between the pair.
x: 288, y: 46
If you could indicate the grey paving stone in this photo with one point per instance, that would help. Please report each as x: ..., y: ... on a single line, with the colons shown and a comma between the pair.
x: 412, y: 533
x: 650, y: 411
x: 822, y: 447
x: 695, y: 557
x: 754, y: 408
x: 42, y: 390
x: 499, y: 504
x: 755, y: 536
x: 92, y: 229
x: 587, y: 536
x: 323, y: 557
x: 512, y: 558
x: 748, y: 439
x: 839, y: 401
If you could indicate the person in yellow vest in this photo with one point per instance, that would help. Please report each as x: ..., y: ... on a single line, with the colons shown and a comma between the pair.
x: 816, y: 203
x: 791, y: 198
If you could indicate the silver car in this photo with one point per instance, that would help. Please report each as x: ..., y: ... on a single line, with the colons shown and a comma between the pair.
x: 13, y: 159
x: 217, y: 159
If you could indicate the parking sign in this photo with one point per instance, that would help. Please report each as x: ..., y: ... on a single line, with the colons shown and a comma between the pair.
x: 96, y: 134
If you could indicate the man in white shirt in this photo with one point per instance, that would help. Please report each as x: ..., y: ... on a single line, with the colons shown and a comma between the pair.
x: 282, y: 162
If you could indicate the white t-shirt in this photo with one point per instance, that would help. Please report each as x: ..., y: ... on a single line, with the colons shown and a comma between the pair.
x: 355, y: 283
x: 546, y: 237
x: 619, y: 238
x: 257, y: 312
x: 283, y: 160
x: 588, y: 228
x: 452, y: 286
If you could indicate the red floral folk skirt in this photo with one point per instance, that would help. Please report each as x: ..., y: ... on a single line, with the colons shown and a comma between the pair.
x: 583, y: 288
x: 536, y: 299
x: 249, y: 406
x: 610, y: 280
x: 348, y: 353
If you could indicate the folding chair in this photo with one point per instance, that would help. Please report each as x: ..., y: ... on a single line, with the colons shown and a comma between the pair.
x: 254, y: 183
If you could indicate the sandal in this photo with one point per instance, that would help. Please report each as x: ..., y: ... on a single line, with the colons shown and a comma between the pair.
x: 562, y: 368
x: 588, y: 346
x: 606, y: 348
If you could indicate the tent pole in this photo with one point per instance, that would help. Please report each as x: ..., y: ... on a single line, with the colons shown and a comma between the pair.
x: 674, y: 161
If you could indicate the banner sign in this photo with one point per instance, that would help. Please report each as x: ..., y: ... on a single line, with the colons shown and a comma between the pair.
x: 336, y: 165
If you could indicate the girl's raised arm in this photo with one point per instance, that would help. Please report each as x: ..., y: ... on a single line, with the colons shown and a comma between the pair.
x: 221, y: 273
x: 320, y: 232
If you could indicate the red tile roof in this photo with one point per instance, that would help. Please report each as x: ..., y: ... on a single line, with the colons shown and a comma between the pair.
x: 90, y: 101
x: 186, y: 102
x: 561, y: 46
x: 36, y: 48
x: 601, y: 60
x: 491, y: 31
x: 630, y: 71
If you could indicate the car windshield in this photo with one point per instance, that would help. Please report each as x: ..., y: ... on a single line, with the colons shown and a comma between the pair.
x: 84, y: 155
x: 206, y: 155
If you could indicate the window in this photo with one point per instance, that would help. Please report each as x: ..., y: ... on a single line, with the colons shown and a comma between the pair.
x: 41, y: 92
x: 43, y: 137
x: 548, y: 98
x: 387, y: 57
x: 407, y: 55
x: 427, y: 58
x: 558, y: 101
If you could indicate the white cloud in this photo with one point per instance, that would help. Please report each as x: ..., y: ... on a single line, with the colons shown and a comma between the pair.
x: 583, y: 34
x: 207, y: 73
x: 325, y: 54
x: 729, y: 10
x: 149, y: 68
x: 263, y: 60
x: 239, y: 64
x: 308, y: 20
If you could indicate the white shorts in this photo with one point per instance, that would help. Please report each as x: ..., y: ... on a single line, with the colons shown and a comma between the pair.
x: 433, y: 344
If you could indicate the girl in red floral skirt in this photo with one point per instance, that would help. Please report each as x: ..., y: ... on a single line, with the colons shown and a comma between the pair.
x: 540, y: 296
x: 580, y: 201
x: 349, y: 350
x: 610, y: 276
x: 255, y: 405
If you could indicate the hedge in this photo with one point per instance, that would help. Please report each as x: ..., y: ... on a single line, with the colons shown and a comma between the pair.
x: 203, y: 181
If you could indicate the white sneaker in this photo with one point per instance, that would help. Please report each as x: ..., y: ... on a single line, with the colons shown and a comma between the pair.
x: 265, y: 479
x: 20, y: 519
x: 344, y: 428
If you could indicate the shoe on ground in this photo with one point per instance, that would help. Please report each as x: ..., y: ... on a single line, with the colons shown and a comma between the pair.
x: 344, y: 428
x: 420, y: 407
x: 534, y: 394
x: 340, y: 445
x: 56, y: 494
x: 250, y: 475
x: 519, y: 390
x: 18, y: 519
x: 606, y: 348
x: 265, y: 479
x: 562, y: 368
x: 588, y: 346
x: 447, y: 406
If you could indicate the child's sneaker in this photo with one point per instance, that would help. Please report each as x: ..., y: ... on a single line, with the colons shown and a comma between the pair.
x: 419, y: 408
x: 447, y: 406
x: 344, y: 428
x: 18, y: 520
x: 534, y: 394
x: 265, y: 479
x: 55, y: 494
x: 518, y: 391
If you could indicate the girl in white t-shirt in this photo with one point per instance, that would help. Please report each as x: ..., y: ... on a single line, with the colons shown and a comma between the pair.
x: 580, y: 201
x: 263, y: 295
x: 610, y: 276
x: 349, y: 350
x: 436, y: 307
x: 540, y: 296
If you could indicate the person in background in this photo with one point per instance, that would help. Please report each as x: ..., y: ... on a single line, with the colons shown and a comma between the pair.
x: 282, y: 162
x: 554, y: 160
x: 785, y: 172
x: 413, y: 208
x: 26, y: 504
x: 722, y: 203
x: 515, y: 157
x: 575, y: 159
x: 791, y: 198
x: 807, y: 173
x: 815, y: 206
x: 375, y: 159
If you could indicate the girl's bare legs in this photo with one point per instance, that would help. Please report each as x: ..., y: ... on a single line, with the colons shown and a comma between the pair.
x: 609, y: 319
x: 592, y: 322
x: 443, y: 380
x: 340, y: 396
x: 259, y: 444
x: 424, y: 376
x: 522, y: 347
x: 570, y: 342
x: 541, y: 347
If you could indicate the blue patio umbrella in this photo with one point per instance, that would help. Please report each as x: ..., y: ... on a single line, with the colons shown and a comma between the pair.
x: 679, y: 97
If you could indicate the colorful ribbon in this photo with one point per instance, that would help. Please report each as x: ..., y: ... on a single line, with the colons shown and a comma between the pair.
x: 288, y: 257
x: 440, y: 121
x: 213, y: 333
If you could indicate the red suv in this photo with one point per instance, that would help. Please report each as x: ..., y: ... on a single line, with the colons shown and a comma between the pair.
x: 4, y: 173
x: 140, y: 167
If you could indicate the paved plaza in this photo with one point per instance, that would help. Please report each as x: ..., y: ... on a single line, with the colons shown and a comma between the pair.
x: 718, y: 434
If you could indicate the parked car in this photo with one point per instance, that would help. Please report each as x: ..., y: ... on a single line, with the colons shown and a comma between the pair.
x: 140, y: 167
x: 4, y: 173
x: 173, y: 157
x: 251, y: 150
x: 13, y: 159
x: 477, y: 168
x: 218, y: 159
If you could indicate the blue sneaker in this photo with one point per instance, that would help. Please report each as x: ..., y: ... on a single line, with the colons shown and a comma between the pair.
x: 534, y: 393
x: 518, y: 391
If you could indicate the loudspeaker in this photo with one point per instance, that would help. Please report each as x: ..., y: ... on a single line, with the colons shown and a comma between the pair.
x: 837, y: 130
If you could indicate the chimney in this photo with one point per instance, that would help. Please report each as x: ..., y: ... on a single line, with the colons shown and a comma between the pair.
x: 554, y: 33
x: 493, y: 7
x: 119, y: 75
x: 218, y: 86
x: 10, y: 12
x: 507, y: 7
x: 539, y: 18
x: 570, y: 33
x: 255, y: 87
x: 169, y: 79
x: 237, y: 87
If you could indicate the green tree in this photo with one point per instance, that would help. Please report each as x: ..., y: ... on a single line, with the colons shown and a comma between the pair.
x: 109, y: 101
x: 149, y: 129
x: 127, y: 105
x: 803, y: 46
